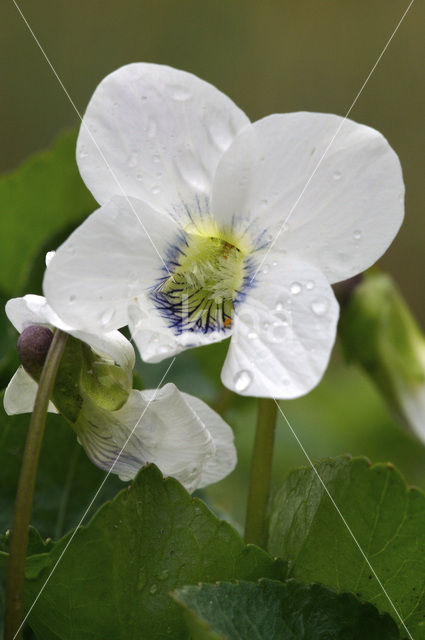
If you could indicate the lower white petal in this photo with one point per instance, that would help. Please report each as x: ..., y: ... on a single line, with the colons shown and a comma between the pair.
x: 20, y: 394
x: 224, y: 459
x: 283, y: 332
x: 153, y: 426
x: 155, y: 339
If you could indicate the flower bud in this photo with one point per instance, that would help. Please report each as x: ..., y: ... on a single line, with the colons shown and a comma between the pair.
x: 33, y: 345
x: 378, y: 331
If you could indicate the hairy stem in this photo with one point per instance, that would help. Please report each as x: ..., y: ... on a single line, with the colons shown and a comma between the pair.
x: 261, y: 470
x: 25, y: 492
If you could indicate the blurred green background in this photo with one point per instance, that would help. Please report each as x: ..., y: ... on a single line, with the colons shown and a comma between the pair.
x: 270, y: 56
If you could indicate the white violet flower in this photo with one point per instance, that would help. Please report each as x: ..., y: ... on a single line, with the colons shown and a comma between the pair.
x: 176, y: 431
x: 212, y: 227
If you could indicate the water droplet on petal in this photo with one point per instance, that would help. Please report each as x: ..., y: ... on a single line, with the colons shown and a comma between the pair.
x: 163, y: 575
x: 156, y: 158
x: 72, y: 298
x: 266, y: 268
x: 242, y: 380
x: 133, y: 159
x: 151, y: 129
x: 252, y: 335
x: 107, y: 316
x: 155, y: 190
x: 295, y: 288
x: 279, y: 305
x: 320, y: 306
x: 337, y: 175
x: 139, y: 177
x: 357, y: 234
x: 310, y: 285
x: 49, y: 257
x: 82, y: 153
x: 274, y: 263
x: 179, y: 93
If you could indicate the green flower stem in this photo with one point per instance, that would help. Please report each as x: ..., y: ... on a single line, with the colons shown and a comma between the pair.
x: 261, y: 470
x: 25, y: 492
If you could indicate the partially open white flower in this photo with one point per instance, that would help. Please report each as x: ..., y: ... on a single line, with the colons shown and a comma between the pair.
x: 176, y: 431
x: 211, y: 227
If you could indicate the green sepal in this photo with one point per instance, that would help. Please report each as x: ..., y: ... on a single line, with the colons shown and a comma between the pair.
x: 67, y: 396
x: 105, y: 383
x: 379, y: 332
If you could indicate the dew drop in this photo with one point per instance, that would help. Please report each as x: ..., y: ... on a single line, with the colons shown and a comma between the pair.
x: 242, y: 380
x: 139, y: 177
x: 179, y: 93
x: 357, y: 234
x: 163, y: 575
x: 133, y: 159
x: 310, y: 285
x: 83, y: 152
x: 156, y: 158
x: 151, y: 129
x: 274, y: 263
x: 153, y: 589
x: 266, y: 325
x: 49, y: 257
x: 337, y: 175
x: 320, y: 306
x: 295, y: 288
x: 191, y: 228
x: 279, y: 305
x: 219, y: 128
x: 266, y: 269
x: 252, y: 335
x: 72, y: 298
x: 155, y: 190
x: 107, y: 316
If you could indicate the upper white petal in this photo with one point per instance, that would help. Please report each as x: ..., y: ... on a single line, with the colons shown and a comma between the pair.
x: 283, y: 332
x: 323, y: 187
x: 155, y: 133
x: 166, y: 431
x: 117, y: 253
x: 20, y: 393
x: 32, y: 309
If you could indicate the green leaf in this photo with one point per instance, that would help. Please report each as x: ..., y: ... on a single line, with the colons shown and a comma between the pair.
x: 41, y: 197
x: 66, y: 479
x: 271, y: 610
x: 387, y: 519
x: 114, y: 579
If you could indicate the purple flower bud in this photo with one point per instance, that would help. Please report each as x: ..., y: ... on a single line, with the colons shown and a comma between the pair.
x: 33, y: 345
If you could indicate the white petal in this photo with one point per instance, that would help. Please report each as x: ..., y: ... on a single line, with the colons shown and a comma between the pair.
x: 20, y: 393
x: 110, y: 345
x: 283, y: 332
x: 167, y: 432
x: 155, y: 339
x: 155, y: 133
x: 224, y: 460
x: 113, y: 256
x: 343, y: 204
x: 32, y: 309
